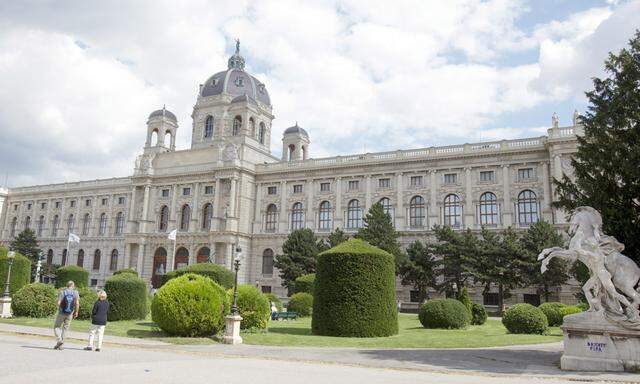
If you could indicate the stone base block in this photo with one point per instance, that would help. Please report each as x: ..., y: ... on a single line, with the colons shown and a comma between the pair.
x: 5, y: 303
x: 232, y: 330
x: 593, y: 343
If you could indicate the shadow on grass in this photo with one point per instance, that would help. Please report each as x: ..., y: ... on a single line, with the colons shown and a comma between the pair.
x: 291, y: 331
x: 145, y: 334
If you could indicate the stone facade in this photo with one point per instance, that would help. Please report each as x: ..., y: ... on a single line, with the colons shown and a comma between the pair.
x: 228, y: 190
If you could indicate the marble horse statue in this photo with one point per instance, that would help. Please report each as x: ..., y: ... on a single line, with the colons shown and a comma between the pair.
x: 613, y: 284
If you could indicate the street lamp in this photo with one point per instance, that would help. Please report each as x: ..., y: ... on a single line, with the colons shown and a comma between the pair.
x: 236, y: 267
x: 6, y: 296
x: 232, y: 322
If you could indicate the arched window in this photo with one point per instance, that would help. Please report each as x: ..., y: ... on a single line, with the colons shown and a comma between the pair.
x: 119, y: 223
x: 64, y: 257
x: 154, y: 138
x: 86, y: 222
x: 527, y: 207
x: 386, y: 206
x: 71, y: 222
x: 354, y: 214
x: 488, y: 209
x: 207, y: 214
x: 80, y: 261
x: 237, y: 125
x: 208, y: 127
x: 261, y: 133
x: 203, y: 256
x: 159, y: 266
x: 185, y: 216
x: 164, y: 218
x: 271, y: 218
x: 27, y: 222
x: 103, y: 224
x: 292, y: 149
x: 182, y: 258
x: 14, y: 226
x: 416, y: 212
x: 267, y: 262
x: 252, y: 126
x: 40, y: 225
x: 297, y: 216
x: 96, y: 260
x: 452, y: 211
x: 324, y: 216
x: 55, y: 223
x: 50, y: 257
x: 167, y: 139
x: 113, y: 262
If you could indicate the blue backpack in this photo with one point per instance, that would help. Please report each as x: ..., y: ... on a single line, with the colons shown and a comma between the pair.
x: 66, y: 304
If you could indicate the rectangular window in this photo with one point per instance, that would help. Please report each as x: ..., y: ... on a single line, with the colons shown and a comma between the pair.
x: 43, y: 205
x: 87, y: 203
x: 57, y: 205
x: 15, y: 207
x: 533, y: 299
x: 272, y: 190
x: 525, y: 173
x: 186, y: 191
x: 29, y: 206
x: 72, y: 203
x: 486, y: 175
x: 94, y: 282
x: 490, y: 298
x: 121, y: 200
x: 450, y: 178
x: 297, y: 188
x: 353, y: 185
x: 105, y: 201
x: 165, y: 193
x: 384, y: 183
x: 325, y: 187
x: 414, y: 296
x: 416, y: 181
x: 208, y: 190
x: 266, y: 289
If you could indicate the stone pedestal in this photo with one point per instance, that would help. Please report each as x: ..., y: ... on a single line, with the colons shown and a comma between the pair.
x: 593, y: 343
x: 6, y: 307
x: 232, y: 330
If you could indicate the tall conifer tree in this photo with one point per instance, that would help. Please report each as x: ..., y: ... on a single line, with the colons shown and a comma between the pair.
x: 379, y: 231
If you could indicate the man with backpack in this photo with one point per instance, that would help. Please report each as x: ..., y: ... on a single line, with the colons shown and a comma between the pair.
x: 68, y: 307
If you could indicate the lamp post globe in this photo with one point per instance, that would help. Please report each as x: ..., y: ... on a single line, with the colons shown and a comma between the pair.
x: 10, y: 256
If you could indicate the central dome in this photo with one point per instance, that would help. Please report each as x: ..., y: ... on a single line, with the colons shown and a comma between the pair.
x: 236, y: 82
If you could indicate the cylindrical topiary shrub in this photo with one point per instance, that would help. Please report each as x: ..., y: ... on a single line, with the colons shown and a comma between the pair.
x: 301, y: 303
x: 444, y: 313
x: 127, y: 295
x: 215, y: 272
x: 525, y: 318
x: 276, y: 300
x: 126, y: 270
x: 570, y: 310
x: 355, y: 292
x: 190, y: 305
x: 20, y: 271
x: 34, y: 300
x: 554, y: 312
x: 464, y: 298
x: 253, y: 307
x: 88, y: 297
x: 78, y: 275
x: 304, y: 283
x: 478, y: 314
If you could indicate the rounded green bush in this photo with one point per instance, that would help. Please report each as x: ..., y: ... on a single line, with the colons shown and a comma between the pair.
x: 444, y: 313
x: 301, y: 303
x: 127, y: 295
x: 304, y: 283
x: 190, y: 305
x: 554, y: 312
x: 126, y: 270
x: 215, y: 272
x: 276, y: 300
x: 570, y: 310
x: 20, y: 271
x: 88, y: 297
x: 78, y: 275
x: 35, y: 300
x: 478, y: 314
x: 253, y: 307
x: 355, y: 292
x: 525, y: 318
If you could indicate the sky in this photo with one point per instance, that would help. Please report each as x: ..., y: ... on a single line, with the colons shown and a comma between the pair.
x: 79, y: 79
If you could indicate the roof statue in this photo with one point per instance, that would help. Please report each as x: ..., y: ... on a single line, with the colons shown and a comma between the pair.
x: 554, y: 120
x: 237, y: 46
x: 576, y: 117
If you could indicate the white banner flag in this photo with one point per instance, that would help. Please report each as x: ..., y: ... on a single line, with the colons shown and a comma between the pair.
x: 73, y: 238
x: 173, y: 234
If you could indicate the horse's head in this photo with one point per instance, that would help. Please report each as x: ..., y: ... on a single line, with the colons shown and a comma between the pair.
x: 585, y: 219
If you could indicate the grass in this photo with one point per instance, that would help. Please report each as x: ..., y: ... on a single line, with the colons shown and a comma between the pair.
x: 297, y: 333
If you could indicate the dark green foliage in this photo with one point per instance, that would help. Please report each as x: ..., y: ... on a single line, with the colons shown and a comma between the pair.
x: 253, y: 307
x: 190, y: 305
x: 570, y: 310
x: 580, y: 272
x: 20, y: 271
x: 337, y: 237
x: 304, y: 283
x: 525, y: 318
x: 298, y: 257
x: 215, y: 272
x: 276, y: 300
x: 607, y: 176
x: 301, y: 303
x: 583, y: 305
x: 464, y: 298
x: 27, y: 245
x: 421, y: 269
x: 458, y: 253
x: 34, y: 300
x: 127, y: 295
x: 88, y: 296
x: 126, y: 270
x: 379, y: 231
x: 554, y: 312
x: 478, y: 314
x: 444, y: 313
x: 355, y: 292
x: 78, y: 275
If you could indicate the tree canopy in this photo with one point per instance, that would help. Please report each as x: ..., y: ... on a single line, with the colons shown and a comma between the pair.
x: 298, y: 256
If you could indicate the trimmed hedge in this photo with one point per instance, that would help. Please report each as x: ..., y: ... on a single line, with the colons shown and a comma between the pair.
x: 525, y: 318
x: 478, y: 314
x: 126, y: 270
x: 88, y: 297
x: 444, y: 313
x: 301, y: 303
x: 276, y: 300
x: 305, y: 283
x: 570, y: 310
x: 35, y: 300
x: 554, y: 312
x: 215, y: 272
x: 20, y: 271
x: 355, y: 292
x: 78, y: 275
x: 464, y: 298
x: 190, y: 305
x: 127, y: 295
x: 253, y: 307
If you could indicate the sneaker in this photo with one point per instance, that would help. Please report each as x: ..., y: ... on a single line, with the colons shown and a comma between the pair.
x: 88, y: 349
x: 60, y: 348
x: 97, y: 349
x: 58, y: 345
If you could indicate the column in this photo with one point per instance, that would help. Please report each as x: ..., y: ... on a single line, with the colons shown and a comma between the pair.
x: 196, y: 207
x: 216, y: 206
x: 173, y: 210
x: 94, y: 219
x: 337, y: 216
x: 560, y: 214
x: 507, y: 205
x: 546, y: 187
x: 145, y: 208
x: 141, y: 255
x: 132, y: 204
x: 400, y: 213
x: 283, y: 207
x: 257, y: 219
x: 232, y: 197
x: 469, y: 216
x: 310, y: 217
x: 367, y: 186
x: 433, y: 200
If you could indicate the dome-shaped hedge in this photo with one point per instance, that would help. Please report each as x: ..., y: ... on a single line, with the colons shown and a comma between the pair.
x: 78, y: 275
x: 301, y: 303
x: 304, y: 283
x: 444, y: 313
x: 126, y: 270
x: 127, y: 295
x: 218, y: 273
x: 88, y: 297
x: 20, y: 271
x: 478, y: 314
x: 190, y: 305
x: 34, y: 300
x: 355, y: 292
x: 554, y: 312
x: 253, y: 306
x: 525, y: 318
